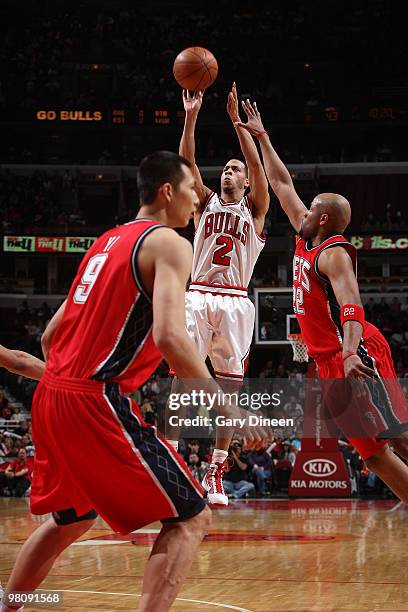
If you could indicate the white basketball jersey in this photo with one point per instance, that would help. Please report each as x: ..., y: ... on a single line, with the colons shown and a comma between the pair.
x: 226, y: 245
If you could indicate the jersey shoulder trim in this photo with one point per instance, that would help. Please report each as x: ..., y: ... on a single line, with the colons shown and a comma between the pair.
x: 262, y: 236
x: 133, y: 258
x: 138, y: 219
x: 209, y: 197
x: 342, y: 243
x: 318, y: 246
x: 202, y: 208
x: 221, y: 201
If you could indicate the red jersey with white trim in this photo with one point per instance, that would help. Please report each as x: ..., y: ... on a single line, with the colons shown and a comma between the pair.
x: 314, y: 303
x: 226, y: 245
x: 106, y: 331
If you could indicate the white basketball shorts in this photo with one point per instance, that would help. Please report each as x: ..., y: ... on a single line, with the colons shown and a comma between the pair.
x: 221, y: 326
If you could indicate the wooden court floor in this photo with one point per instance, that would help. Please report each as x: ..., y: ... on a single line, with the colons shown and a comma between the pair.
x: 272, y: 555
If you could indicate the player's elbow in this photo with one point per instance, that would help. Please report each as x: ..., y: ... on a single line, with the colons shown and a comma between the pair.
x: 18, y: 365
x: 278, y: 185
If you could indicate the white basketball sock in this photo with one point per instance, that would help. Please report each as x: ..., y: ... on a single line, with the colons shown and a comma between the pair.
x: 219, y: 456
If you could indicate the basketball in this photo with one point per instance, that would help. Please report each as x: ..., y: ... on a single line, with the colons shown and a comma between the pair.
x: 195, y: 68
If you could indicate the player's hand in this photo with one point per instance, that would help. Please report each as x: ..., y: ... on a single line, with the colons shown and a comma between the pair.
x: 232, y: 104
x: 192, y: 104
x: 254, y: 124
x: 354, y: 368
x: 256, y: 436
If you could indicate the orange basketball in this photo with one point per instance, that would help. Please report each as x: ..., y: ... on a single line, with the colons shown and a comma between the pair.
x: 195, y: 68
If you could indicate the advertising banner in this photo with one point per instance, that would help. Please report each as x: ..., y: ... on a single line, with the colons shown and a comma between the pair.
x: 379, y: 243
x: 317, y: 474
x: 47, y: 244
x: 19, y: 244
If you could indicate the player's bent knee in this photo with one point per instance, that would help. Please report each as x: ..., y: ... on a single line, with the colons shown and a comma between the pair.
x: 70, y: 517
x: 204, y: 519
x: 198, y: 524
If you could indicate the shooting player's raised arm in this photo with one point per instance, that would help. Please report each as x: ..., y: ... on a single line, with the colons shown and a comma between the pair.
x: 192, y: 105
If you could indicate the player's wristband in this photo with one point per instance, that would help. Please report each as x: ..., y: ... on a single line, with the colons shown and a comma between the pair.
x: 352, y: 312
x: 348, y: 354
x: 261, y: 134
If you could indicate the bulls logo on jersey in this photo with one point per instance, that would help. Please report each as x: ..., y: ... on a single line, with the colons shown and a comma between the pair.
x: 226, y: 223
x: 226, y: 245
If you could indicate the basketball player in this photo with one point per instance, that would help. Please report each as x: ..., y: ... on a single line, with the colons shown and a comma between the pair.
x: 228, y: 240
x: 328, y: 308
x: 124, y: 311
x: 21, y: 363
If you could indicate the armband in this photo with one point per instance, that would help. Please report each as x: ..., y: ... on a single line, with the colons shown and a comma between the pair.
x: 261, y: 134
x: 352, y: 312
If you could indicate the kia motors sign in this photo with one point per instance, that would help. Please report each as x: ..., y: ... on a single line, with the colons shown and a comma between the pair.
x: 319, y: 468
x: 318, y: 474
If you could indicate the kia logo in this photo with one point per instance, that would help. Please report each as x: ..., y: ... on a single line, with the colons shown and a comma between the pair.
x: 319, y: 467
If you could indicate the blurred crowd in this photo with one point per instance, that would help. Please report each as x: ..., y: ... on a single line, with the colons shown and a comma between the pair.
x: 51, y: 51
x: 93, y: 56
x: 42, y: 199
x: 16, y: 447
x: 391, y: 316
x: 64, y: 203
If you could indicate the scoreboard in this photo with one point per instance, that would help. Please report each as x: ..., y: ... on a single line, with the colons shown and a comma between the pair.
x: 116, y: 116
x: 169, y: 115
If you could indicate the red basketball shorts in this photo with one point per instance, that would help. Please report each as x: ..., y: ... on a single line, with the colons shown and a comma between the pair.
x: 382, y: 411
x: 93, y: 451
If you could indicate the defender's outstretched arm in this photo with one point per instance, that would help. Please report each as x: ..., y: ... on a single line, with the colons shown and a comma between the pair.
x: 259, y: 196
x: 278, y: 175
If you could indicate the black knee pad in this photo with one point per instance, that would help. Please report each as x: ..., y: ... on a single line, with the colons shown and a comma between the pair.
x: 69, y: 516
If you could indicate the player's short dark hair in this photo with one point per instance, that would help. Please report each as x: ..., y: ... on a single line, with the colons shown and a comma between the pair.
x: 155, y: 170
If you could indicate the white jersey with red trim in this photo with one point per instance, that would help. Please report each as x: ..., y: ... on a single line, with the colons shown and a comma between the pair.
x: 226, y: 245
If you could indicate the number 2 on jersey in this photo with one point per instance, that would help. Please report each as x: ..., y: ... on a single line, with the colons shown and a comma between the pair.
x: 298, y: 300
x: 221, y: 257
x: 91, y: 273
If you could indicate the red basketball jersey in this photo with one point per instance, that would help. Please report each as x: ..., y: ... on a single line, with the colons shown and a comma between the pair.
x: 314, y: 303
x: 106, y: 331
